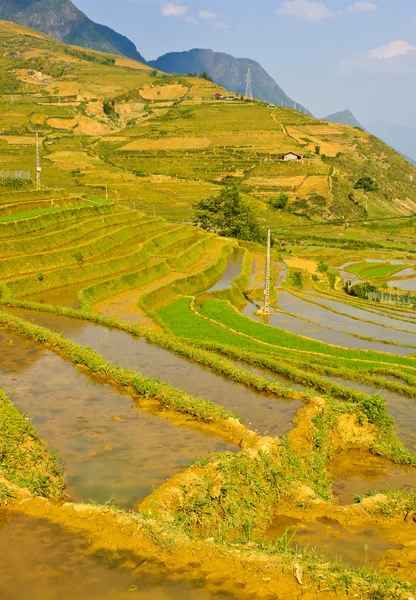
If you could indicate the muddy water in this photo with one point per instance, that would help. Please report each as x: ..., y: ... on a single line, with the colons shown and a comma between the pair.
x: 43, y: 561
x: 232, y: 270
x: 322, y: 333
x: 359, y: 546
x: 400, y: 408
x: 109, y: 446
x: 363, y: 314
x: 319, y: 314
x: 356, y: 472
x: 259, y: 412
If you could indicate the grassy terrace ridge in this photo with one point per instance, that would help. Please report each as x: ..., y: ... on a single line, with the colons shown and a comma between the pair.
x: 25, y: 461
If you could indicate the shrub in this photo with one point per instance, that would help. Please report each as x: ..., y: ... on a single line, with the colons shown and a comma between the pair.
x: 79, y: 256
x: 368, y: 184
x: 280, y: 202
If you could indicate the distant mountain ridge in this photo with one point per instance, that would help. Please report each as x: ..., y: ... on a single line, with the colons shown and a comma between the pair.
x: 227, y: 71
x: 344, y: 117
x: 62, y: 20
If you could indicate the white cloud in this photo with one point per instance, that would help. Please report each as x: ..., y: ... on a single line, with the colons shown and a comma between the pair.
x: 362, y: 7
x: 191, y: 20
x: 222, y: 25
x: 206, y: 14
x: 396, y: 57
x: 397, y: 48
x: 173, y: 10
x: 304, y: 9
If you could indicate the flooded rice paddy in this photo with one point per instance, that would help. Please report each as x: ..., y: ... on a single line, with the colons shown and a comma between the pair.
x: 259, y: 412
x: 358, y: 545
x: 232, y: 270
x: 54, y: 564
x: 109, y: 446
x: 356, y: 472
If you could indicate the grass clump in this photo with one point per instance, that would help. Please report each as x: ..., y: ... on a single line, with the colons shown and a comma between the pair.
x: 24, y: 459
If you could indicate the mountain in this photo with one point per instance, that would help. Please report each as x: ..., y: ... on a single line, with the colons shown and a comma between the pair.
x: 400, y: 137
x: 344, y: 117
x: 64, y: 21
x: 227, y: 71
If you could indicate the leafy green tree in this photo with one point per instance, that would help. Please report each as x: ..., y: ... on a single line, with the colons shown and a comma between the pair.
x: 368, y: 184
x: 229, y: 215
x: 280, y: 202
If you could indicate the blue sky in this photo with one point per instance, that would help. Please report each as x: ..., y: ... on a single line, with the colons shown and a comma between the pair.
x: 329, y: 54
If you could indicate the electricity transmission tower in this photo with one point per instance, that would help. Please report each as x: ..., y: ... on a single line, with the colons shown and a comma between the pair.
x: 249, y: 91
x: 38, y: 167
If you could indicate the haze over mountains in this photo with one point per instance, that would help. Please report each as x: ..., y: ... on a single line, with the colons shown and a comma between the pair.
x: 227, y: 71
x: 398, y: 137
x: 64, y: 21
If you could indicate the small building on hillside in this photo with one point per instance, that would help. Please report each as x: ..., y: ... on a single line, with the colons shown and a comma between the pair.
x: 218, y: 96
x: 291, y: 156
x: 221, y: 97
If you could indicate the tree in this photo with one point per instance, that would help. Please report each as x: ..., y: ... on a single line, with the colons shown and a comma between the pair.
x: 204, y: 75
x: 280, y: 202
x: 368, y: 184
x: 229, y: 215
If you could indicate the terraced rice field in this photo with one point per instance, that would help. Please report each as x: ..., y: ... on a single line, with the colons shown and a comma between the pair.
x: 122, y: 340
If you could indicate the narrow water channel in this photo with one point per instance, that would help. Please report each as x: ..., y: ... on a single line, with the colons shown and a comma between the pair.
x: 258, y: 411
x: 109, y: 446
x: 232, y: 270
x: 54, y: 564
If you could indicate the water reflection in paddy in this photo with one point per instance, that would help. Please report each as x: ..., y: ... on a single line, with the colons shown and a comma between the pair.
x: 359, y: 546
x: 323, y: 334
x: 365, y: 315
x: 319, y: 314
x: 356, y: 472
x: 44, y: 561
x: 232, y: 270
x: 259, y: 411
x: 109, y: 446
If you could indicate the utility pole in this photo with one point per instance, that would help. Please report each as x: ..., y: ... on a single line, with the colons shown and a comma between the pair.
x: 249, y: 91
x: 266, y: 310
x: 106, y: 193
x: 38, y: 167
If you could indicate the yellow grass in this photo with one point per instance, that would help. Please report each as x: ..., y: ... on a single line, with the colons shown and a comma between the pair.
x: 180, y: 143
x: 301, y: 263
x: 15, y: 140
x: 57, y: 123
x: 163, y: 92
x: 328, y: 148
x: 277, y: 182
x: 37, y: 119
x: 87, y: 126
x: 64, y: 88
x: 122, y: 61
x: 314, y: 183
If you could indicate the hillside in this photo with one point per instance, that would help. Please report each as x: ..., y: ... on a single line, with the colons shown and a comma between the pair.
x: 344, y: 117
x: 163, y: 142
x: 64, y: 21
x: 397, y: 136
x: 227, y: 71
